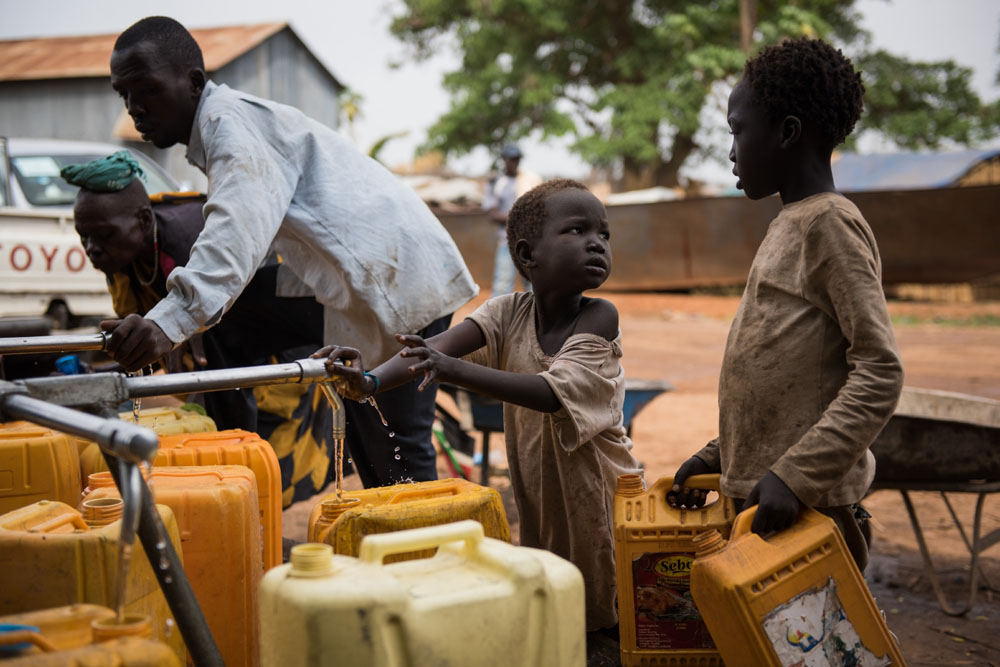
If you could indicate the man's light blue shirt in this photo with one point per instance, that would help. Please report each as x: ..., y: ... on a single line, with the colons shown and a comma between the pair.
x: 361, y: 240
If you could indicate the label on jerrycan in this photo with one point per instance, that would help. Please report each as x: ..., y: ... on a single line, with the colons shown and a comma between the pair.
x: 665, y: 615
x: 813, y: 630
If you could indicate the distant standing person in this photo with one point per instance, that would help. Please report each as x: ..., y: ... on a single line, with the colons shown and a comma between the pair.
x: 501, y: 193
x: 348, y: 231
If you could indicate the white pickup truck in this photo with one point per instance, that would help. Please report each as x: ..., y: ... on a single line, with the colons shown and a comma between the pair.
x: 43, y: 268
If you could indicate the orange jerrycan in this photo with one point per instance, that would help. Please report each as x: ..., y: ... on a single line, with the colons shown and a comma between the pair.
x: 241, y: 448
x: 795, y: 598
x: 49, y: 556
x: 344, y: 523
x: 658, y: 621
x: 163, y: 421
x: 36, y: 463
x: 476, y: 602
x: 220, y: 530
x: 80, y: 634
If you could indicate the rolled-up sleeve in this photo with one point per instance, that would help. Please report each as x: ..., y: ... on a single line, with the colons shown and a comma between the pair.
x: 250, y: 190
x: 590, y: 386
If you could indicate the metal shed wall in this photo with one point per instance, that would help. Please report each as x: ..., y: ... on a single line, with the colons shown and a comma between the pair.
x: 279, y: 68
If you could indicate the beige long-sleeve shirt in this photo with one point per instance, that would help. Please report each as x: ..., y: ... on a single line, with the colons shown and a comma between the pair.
x: 564, y: 466
x: 811, y: 371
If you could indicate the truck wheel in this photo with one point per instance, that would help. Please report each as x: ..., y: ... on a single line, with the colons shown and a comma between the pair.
x: 58, y: 312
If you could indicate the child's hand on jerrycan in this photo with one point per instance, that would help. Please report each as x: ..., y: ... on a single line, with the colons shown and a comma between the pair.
x: 348, y: 370
x: 778, y: 506
x: 682, y: 496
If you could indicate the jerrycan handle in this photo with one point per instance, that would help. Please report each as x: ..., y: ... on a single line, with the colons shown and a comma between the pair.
x: 24, y: 635
x: 444, y: 490
x: 707, y: 482
x: 743, y: 522
x: 61, y: 520
x: 376, y: 547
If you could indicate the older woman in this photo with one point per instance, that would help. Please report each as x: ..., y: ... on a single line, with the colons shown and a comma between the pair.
x: 137, y: 241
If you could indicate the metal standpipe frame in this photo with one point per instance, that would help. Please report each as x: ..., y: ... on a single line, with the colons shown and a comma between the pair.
x: 43, y: 401
x: 125, y: 446
x: 62, y: 343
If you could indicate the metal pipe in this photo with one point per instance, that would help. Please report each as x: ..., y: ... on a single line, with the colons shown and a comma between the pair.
x: 61, y: 343
x: 114, y: 388
x: 122, y: 439
x: 301, y: 371
x: 173, y: 579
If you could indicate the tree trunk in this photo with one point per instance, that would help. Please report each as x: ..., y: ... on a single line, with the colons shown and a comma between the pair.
x: 748, y: 23
x: 642, y: 175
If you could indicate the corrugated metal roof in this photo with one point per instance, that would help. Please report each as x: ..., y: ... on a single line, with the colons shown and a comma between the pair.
x: 855, y: 172
x: 89, y: 55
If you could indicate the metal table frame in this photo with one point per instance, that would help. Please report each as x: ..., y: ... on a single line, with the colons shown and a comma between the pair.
x: 976, y: 545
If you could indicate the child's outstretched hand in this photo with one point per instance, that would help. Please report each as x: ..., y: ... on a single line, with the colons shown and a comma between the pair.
x: 779, y: 507
x: 350, y: 377
x: 680, y: 495
x: 434, y: 365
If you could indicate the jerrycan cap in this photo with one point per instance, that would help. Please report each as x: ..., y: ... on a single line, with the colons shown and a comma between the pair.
x: 312, y: 560
x: 708, y: 542
x: 333, y: 508
x: 630, y: 485
x: 130, y: 625
x: 99, y: 512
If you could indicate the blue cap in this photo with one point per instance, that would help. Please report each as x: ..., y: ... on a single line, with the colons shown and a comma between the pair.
x: 510, y: 151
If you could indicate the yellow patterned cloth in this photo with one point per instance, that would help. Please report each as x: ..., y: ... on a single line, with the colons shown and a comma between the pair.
x: 296, y: 419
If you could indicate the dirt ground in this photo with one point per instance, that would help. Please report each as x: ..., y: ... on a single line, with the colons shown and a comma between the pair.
x: 954, y: 347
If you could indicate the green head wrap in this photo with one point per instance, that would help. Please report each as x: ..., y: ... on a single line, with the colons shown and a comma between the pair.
x: 109, y: 174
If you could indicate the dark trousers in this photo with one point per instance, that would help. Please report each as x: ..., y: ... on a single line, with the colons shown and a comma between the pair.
x: 258, y: 326
x: 409, y: 455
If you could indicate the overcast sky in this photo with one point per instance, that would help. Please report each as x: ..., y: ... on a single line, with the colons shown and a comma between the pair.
x: 352, y: 39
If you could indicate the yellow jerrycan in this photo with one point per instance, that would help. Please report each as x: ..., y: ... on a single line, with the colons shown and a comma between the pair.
x: 163, y: 421
x: 344, y: 523
x: 658, y: 622
x: 794, y: 598
x: 50, y: 556
x: 63, y: 627
x: 476, y: 602
x: 80, y: 634
x: 36, y: 463
x: 216, y: 511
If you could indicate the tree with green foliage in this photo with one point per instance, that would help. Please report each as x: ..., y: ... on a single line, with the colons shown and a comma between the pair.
x: 630, y: 80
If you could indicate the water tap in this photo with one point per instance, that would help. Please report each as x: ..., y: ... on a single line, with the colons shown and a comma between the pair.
x: 337, y: 404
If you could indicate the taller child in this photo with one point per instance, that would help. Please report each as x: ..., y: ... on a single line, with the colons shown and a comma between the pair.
x: 351, y: 233
x: 811, y: 372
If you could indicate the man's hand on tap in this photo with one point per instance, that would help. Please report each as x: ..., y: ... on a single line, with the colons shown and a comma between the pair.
x: 136, y: 342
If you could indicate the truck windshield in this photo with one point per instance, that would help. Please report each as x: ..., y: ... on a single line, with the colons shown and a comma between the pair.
x: 38, y: 176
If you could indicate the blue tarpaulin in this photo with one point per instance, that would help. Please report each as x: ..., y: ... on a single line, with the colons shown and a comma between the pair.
x: 855, y: 172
